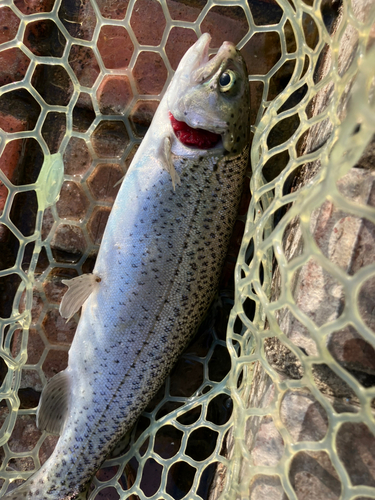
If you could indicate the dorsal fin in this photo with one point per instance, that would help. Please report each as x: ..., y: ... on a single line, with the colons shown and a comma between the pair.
x: 54, y: 404
x: 79, y: 290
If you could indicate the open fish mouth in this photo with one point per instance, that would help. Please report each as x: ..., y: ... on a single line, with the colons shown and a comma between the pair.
x: 196, y: 137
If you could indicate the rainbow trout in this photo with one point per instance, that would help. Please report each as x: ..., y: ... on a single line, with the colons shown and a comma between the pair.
x: 157, y: 269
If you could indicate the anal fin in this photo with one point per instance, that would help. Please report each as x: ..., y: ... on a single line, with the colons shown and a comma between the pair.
x: 54, y: 404
x: 79, y: 289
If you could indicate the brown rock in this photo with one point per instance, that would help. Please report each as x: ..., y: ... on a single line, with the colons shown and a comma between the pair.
x: 25, y: 434
x: 282, y: 359
x: 112, y: 9
x: 150, y: 73
x: 9, y: 159
x: 44, y: 38
x: 108, y: 494
x: 55, y: 362
x: 57, y: 330
x: 148, y: 22
x: 317, y: 293
x: 48, y: 222
x: 348, y: 241
x: 52, y: 285
x: 115, y: 47
x: 28, y: 7
x: 185, y: 10
x: 356, y: 449
x: 303, y: 416
x: 352, y: 351
x: 13, y: 66
x: 35, y: 347
x: 53, y: 83
x: 225, y: 24
x: 114, y: 94
x: 53, y: 130
x: 9, y: 23
x: 78, y: 17
x: 16, y: 106
x: 97, y: 223
x: 36, y: 308
x: 262, y: 43
x: 103, y: 182
x: 47, y: 448
x: 337, y: 391
x: 110, y: 139
x: 269, y: 445
x: 31, y: 159
x: 68, y: 240
x: 141, y: 116
x: 130, y: 157
x: 73, y: 202
x: 84, y: 64
x: 179, y: 41
x: 11, y: 124
x: 16, y: 343
x: 31, y: 378
x: 313, y: 476
x: 77, y: 158
x: 21, y: 464
x: 83, y: 113
x: 266, y: 487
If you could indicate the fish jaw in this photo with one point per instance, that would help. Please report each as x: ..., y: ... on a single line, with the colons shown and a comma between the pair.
x: 194, y: 58
x: 198, y: 99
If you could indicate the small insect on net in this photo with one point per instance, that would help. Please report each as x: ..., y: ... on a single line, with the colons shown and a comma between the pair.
x: 279, y: 410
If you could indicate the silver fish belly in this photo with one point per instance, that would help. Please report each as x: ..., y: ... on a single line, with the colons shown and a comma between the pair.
x: 157, y: 269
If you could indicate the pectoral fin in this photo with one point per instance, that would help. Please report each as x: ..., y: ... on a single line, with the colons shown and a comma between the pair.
x: 168, y: 162
x: 54, y: 404
x: 79, y: 290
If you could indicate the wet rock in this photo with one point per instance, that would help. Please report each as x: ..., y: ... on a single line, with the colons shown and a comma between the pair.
x: 33, y: 6
x: 84, y: 64
x: 313, y: 476
x: 73, y: 202
x: 142, y: 115
x: 68, y: 243
x: 114, y: 95
x: 9, y: 23
x: 150, y: 73
x: 148, y: 22
x: 13, y: 66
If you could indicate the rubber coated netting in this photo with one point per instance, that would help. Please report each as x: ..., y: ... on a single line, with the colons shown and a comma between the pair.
x: 279, y: 404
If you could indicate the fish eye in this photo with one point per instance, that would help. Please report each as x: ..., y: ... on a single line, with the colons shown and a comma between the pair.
x: 226, y: 80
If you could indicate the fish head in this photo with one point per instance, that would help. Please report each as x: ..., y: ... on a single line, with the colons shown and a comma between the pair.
x: 213, y: 94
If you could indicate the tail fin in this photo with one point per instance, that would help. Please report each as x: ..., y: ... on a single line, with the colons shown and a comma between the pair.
x: 30, y: 490
x: 19, y: 493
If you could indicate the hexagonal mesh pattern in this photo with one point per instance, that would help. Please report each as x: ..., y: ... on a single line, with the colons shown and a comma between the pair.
x: 73, y: 108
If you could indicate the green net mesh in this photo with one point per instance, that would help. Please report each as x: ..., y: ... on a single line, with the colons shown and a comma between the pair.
x: 279, y: 411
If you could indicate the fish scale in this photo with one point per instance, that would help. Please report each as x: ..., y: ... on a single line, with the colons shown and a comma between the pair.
x: 155, y: 276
